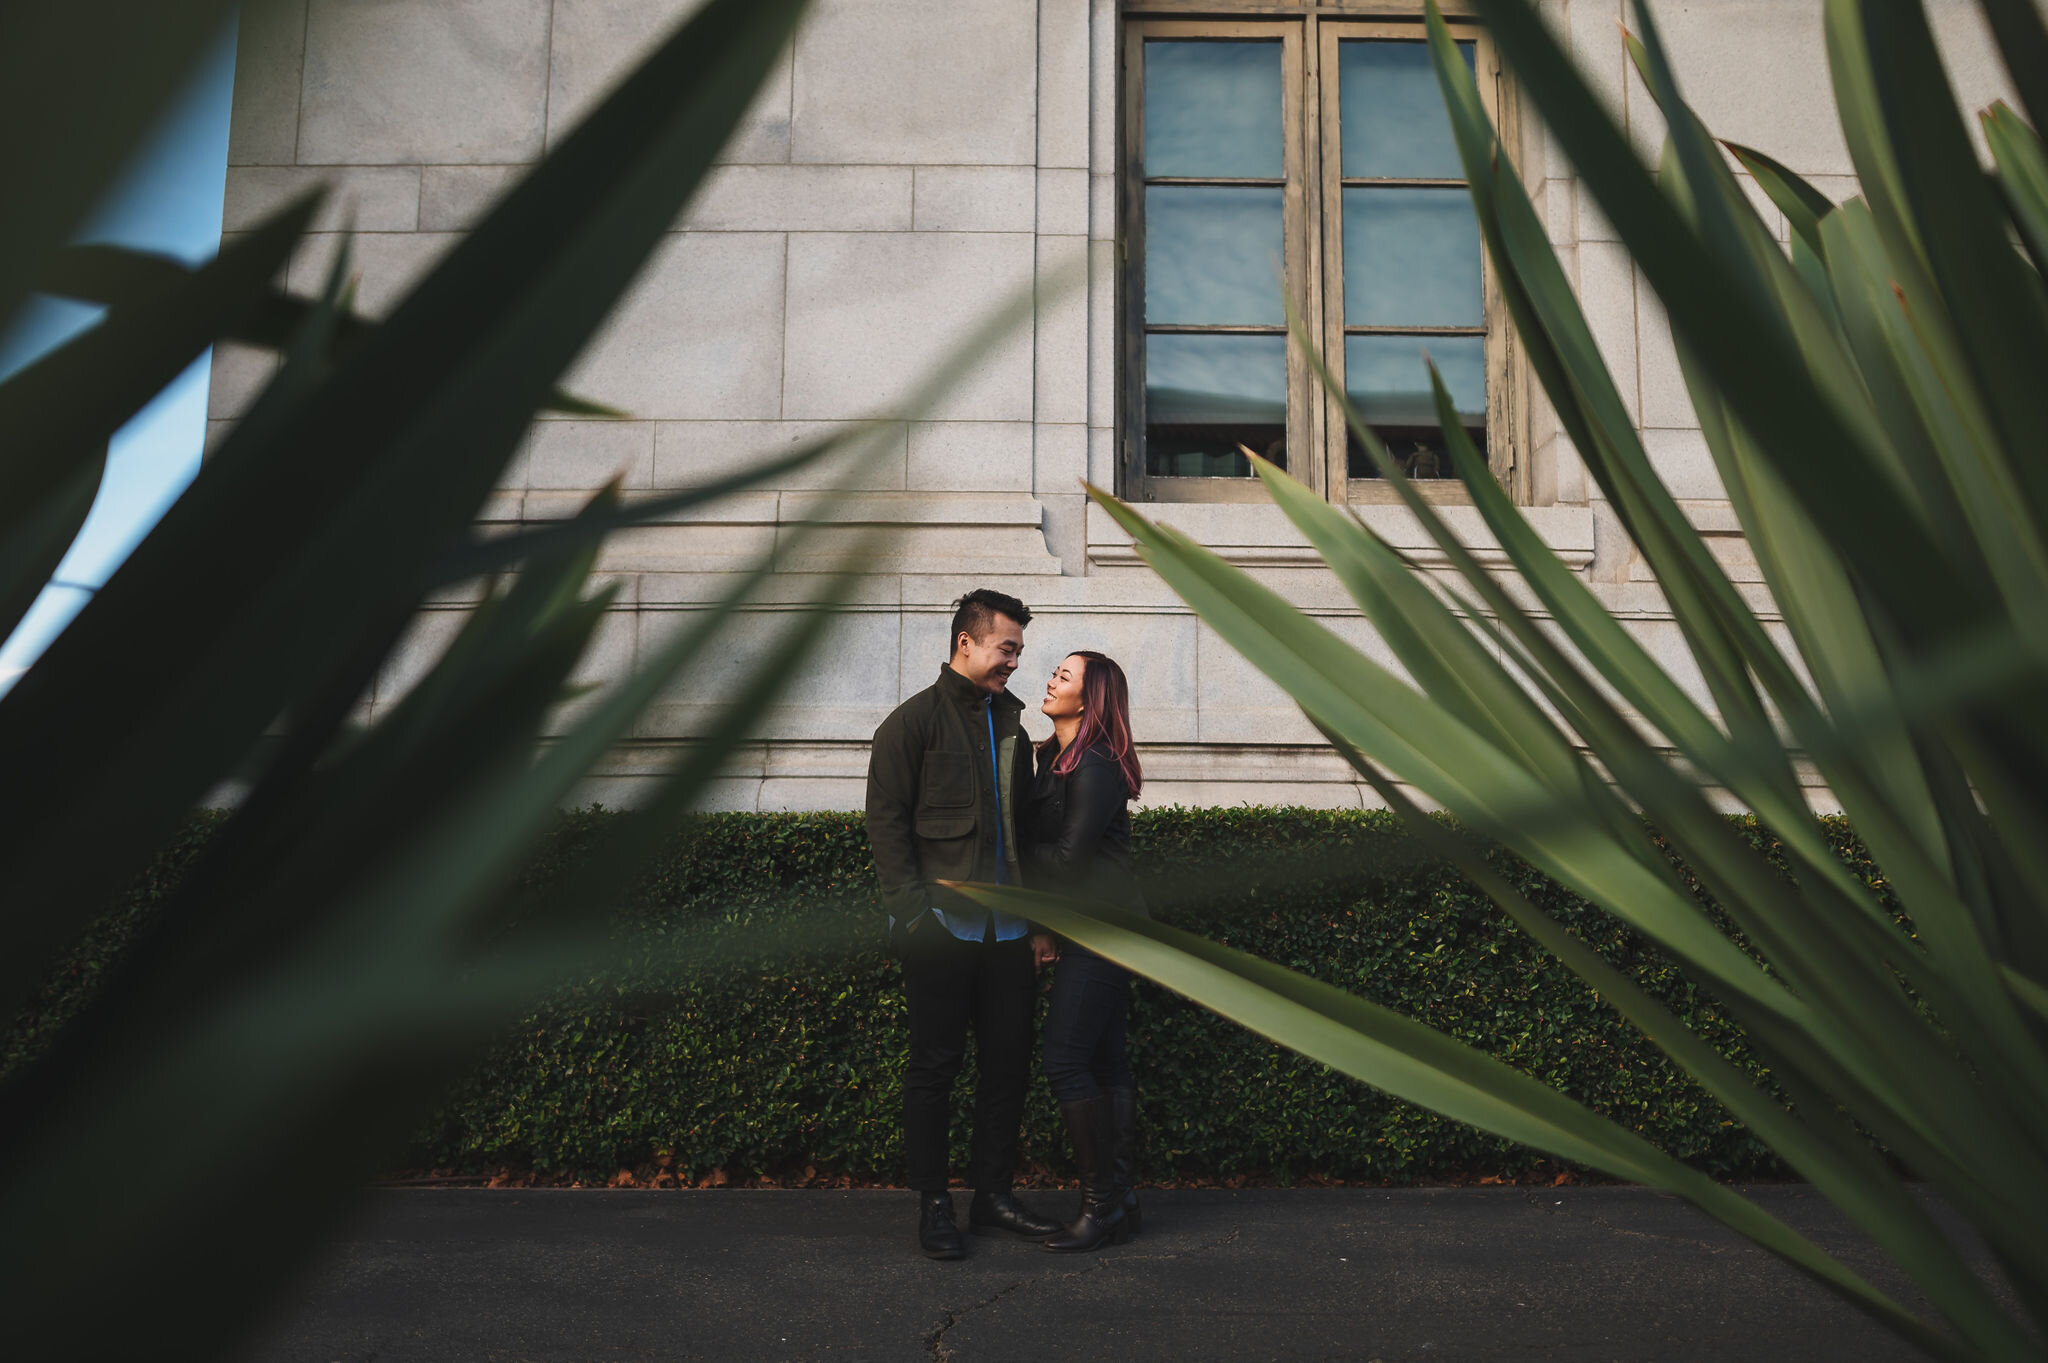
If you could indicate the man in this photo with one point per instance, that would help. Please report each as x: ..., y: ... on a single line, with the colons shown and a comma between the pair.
x: 945, y: 776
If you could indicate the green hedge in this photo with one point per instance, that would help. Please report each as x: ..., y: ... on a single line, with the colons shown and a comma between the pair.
x: 790, y: 1055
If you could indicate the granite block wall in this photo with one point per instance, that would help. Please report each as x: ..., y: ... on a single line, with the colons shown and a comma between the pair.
x: 910, y: 167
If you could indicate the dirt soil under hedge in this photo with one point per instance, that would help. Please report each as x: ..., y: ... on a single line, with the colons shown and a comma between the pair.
x: 1037, y: 1176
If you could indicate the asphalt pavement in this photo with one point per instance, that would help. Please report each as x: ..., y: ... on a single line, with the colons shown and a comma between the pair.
x: 1617, y: 1275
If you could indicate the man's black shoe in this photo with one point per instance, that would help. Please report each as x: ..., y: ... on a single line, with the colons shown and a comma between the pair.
x: 992, y: 1212
x: 937, y: 1236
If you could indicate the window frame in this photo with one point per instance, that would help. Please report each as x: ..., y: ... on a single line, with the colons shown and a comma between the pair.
x: 1312, y: 197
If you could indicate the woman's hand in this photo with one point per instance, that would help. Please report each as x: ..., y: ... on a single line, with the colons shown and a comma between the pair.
x: 1044, y: 951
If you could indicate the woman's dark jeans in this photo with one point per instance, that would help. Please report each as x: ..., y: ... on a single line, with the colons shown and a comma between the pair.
x: 1084, y: 1027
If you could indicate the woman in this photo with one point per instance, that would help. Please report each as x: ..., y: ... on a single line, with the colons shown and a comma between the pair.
x: 1087, y: 774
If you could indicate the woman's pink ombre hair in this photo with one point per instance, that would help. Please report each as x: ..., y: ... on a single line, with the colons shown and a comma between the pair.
x: 1105, y: 719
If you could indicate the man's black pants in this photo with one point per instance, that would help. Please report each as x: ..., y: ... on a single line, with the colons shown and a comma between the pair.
x: 952, y: 986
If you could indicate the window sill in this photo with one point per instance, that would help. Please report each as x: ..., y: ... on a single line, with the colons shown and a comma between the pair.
x: 1363, y: 492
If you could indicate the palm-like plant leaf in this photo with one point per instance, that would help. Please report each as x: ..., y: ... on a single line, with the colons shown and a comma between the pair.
x: 2022, y: 176
x: 99, y: 70
x: 400, y: 444
x: 1873, y: 407
x: 115, y: 276
x: 61, y: 411
x: 351, y: 936
x: 1381, y: 1047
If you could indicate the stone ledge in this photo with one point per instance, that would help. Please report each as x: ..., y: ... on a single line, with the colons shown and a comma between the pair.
x: 1257, y: 534
x: 913, y: 508
x: 975, y: 534
x: 799, y: 775
x: 771, y: 507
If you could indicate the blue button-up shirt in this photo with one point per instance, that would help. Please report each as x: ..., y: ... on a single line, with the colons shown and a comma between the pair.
x: 971, y: 924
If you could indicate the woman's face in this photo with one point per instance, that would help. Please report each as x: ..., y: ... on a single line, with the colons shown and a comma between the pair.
x: 1063, y: 692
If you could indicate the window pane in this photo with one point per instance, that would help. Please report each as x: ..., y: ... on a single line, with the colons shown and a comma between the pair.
x: 1205, y: 395
x: 1391, y: 112
x: 1212, y: 255
x: 1385, y: 379
x: 1213, y: 109
x: 1411, y: 259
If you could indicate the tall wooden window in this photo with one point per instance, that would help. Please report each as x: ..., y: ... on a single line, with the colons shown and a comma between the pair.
x: 1306, y: 151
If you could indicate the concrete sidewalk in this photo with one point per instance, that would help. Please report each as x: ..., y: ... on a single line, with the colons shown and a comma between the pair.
x: 1456, y: 1274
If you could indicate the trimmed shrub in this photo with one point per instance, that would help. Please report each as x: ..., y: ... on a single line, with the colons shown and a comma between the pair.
x: 754, y: 1026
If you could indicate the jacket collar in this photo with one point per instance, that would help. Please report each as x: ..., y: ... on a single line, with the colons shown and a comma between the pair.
x: 961, y: 691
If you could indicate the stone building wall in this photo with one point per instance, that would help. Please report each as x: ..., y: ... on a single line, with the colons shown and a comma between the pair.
x: 910, y: 166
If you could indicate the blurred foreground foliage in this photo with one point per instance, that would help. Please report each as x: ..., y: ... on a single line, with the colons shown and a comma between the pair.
x: 788, y: 1058
x: 1872, y: 395
x: 351, y: 938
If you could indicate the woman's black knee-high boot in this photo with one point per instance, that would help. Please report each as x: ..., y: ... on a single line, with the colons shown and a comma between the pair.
x: 1090, y: 1130
x: 1123, y: 1108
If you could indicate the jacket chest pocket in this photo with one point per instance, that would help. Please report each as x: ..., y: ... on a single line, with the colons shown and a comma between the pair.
x: 947, y: 782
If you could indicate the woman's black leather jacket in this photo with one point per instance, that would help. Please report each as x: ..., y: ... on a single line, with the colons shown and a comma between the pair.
x: 1082, y: 823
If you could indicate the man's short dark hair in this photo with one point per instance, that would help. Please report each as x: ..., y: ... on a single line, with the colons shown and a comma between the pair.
x: 975, y: 614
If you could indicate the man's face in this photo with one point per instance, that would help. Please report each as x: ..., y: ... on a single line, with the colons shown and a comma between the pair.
x: 989, y: 661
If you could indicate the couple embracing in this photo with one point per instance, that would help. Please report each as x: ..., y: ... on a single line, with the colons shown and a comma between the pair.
x: 956, y: 792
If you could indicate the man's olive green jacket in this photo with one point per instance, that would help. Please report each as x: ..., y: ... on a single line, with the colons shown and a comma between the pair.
x: 931, y: 811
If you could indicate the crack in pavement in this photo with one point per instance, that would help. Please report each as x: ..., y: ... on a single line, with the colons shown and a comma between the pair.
x: 935, y: 1339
